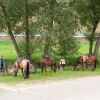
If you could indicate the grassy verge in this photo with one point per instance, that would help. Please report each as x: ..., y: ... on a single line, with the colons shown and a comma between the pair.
x: 38, y: 76
x: 7, y: 50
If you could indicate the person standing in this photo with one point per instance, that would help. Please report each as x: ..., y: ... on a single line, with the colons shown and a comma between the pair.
x: 2, y: 63
x: 62, y: 62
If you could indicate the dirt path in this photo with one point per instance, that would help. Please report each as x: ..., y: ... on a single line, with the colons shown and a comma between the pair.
x: 72, y: 89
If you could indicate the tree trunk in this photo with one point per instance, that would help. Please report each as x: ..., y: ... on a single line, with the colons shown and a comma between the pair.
x: 27, y: 31
x: 92, y: 36
x: 47, y: 45
x: 10, y: 31
x: 50, y: 26
x: 97, y: 46
x: 13, y: 40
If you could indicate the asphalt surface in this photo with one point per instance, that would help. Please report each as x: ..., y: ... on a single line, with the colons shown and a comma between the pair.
x: 71, y: 89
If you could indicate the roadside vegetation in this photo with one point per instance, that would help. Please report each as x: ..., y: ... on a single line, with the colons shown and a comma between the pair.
x: 8, y: 51
x: 54, y: 22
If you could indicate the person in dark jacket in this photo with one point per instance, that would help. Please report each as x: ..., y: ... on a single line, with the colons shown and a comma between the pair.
x: 2, y: 63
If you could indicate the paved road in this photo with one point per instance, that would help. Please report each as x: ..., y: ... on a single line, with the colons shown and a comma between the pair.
x: 72, y: 89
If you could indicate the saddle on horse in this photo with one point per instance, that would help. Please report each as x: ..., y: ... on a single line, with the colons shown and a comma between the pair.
x: 20, y: 60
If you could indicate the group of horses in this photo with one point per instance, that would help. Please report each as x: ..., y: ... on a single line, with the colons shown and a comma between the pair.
x: 24, y: 65
x: 86, y: 61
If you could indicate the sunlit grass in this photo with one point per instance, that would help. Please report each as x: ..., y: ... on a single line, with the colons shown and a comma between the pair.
x: 60, y: 74
x: 8, y: 51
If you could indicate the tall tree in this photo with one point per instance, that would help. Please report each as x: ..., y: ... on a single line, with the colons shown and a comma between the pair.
x: 9, y: 26
x: 88, y: 12
x: 57, y: 22
x: 27, y: 30
x: 97, y: 45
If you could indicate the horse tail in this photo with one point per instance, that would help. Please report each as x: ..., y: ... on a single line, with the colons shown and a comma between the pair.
x: 55, y: 67
x: 27, y: 70
x: 95, y: 63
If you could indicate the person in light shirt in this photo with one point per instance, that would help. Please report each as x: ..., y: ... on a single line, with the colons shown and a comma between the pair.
x: 62, y: 62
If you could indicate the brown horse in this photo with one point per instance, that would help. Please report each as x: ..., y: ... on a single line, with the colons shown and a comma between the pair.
x: 87, y: 61
x: 91, y: 62
x: 23, y: 65
x: 81, y: 60
x: 46, y: 61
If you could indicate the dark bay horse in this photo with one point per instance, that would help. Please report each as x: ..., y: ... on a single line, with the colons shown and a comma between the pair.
x: 46, y: 61
x: 23, y: 65
x: 91, y: 62
x: 86, y: 61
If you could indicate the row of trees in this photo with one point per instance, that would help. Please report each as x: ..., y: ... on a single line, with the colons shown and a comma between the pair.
x: 88, y: 14
x: 54, y: 20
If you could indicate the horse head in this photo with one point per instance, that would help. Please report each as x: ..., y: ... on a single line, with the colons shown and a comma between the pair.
x: 15, y: 68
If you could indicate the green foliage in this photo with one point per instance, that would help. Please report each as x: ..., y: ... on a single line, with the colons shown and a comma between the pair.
x: 88, y: 11
x: 7, y: 50
x: 35, y: 47
x: 57, y: 21
x: 10, y: 54
x: 88, y: 14
x: 54, y: 20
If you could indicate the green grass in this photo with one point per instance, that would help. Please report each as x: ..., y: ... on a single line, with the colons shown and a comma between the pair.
x: 7, y: 50
x: 84, y: 46
x: 60, y: 74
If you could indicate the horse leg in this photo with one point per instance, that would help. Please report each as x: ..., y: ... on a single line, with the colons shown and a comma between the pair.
x: 51, y: 68
x: 15, y: 73
x: 45, y: 68
x: 77, y: 68
x: 55, y: 67
x: 82, y: 66
x: 74, y: 68
x: 87, y: 66
x: 63, y: 66
x: 22, y: 73
x: 92, y: 67
x: 96, y: 61
x: 42, y: 69
x: 42, y: 66
x: 59, y: 67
